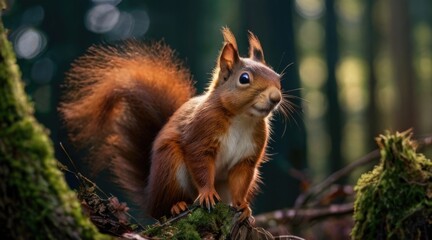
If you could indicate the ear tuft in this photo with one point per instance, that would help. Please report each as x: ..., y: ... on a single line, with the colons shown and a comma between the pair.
x: 229, y: 37
x: 255, y: 49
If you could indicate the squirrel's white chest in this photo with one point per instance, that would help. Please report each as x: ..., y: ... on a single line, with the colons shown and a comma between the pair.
x: 235, y: 145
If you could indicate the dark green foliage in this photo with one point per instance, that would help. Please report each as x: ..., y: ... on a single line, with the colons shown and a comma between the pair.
x: 394, y: 200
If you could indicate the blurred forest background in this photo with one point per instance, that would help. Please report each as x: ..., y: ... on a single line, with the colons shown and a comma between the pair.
x: 357, y: 68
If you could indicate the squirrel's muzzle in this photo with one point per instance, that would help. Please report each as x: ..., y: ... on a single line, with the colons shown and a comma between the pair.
x: 275, y: 96
x: 266, y: 102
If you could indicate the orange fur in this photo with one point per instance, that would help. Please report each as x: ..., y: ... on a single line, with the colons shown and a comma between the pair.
x: 129, y: 99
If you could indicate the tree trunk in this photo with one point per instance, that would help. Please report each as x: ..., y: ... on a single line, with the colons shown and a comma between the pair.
x: 401, y: 56
x: 371, y: 49
x: 334, y: 120
x: 35, y: 202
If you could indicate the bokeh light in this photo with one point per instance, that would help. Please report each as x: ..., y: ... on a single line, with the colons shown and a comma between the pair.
x: 313, y: 72
x: 106, y: 18
x: 351, y: 80
x: 130, y: 24
x: 311, y: 35
x: 350, y: 11
x: 310, y: 8
x: 101, y: 18
x: 123, y: 28
x: 142, y: 22
x: 316, y: 110
x: 29, y: 42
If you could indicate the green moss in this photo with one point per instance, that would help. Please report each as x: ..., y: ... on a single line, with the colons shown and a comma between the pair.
x: 196, y: 225
x: 37, y: 195
x: 394, y: 200
x: 35, y: 202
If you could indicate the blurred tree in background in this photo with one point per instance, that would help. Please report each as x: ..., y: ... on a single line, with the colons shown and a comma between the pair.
x: 354, y: 68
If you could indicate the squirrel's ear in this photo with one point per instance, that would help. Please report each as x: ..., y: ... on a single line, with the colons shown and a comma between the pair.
x: 228, y: 58
x: 255, y: 49
x: 229, y: 53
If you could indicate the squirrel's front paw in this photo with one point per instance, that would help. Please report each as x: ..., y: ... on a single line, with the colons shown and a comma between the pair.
x: 246, y: 212
x: 207, y: 198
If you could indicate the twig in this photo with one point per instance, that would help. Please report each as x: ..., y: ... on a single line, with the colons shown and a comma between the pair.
x: 178, y: 217
x: 304, y: 215
x: 87, y: 189
x: 368, y: 158
x: 317, y: 189
x: 424, y: 142
x: 288, y: 237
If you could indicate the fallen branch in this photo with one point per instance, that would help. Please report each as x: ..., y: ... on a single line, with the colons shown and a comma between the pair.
x: 303, y: 215
x: 319, y: 188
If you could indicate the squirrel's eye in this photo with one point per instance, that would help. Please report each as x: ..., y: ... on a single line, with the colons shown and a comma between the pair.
x: 244, y: 78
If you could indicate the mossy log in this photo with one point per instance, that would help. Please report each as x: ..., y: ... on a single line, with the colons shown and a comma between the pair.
x: 35, y: 202
x: 394, y: 200
x: 219, y: 223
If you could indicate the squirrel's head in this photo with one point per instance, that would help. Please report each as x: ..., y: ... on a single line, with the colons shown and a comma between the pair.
x: 245, y: 85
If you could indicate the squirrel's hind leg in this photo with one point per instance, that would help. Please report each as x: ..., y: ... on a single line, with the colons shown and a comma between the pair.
x: 169, y: 187
x: 179, y: 207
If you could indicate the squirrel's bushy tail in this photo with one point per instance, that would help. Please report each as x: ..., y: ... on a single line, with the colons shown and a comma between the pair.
x: 117, y: 100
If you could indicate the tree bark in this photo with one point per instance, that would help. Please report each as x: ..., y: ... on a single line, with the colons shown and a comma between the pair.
x: 334, y: 116
x: 371, y: 49
x: 35, y: 202
x: 401, y: 56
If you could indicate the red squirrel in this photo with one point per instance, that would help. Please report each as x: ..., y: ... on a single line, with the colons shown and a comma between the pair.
x: 132, y: 105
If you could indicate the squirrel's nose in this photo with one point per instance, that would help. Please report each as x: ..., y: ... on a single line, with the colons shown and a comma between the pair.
x: 275, y: 96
